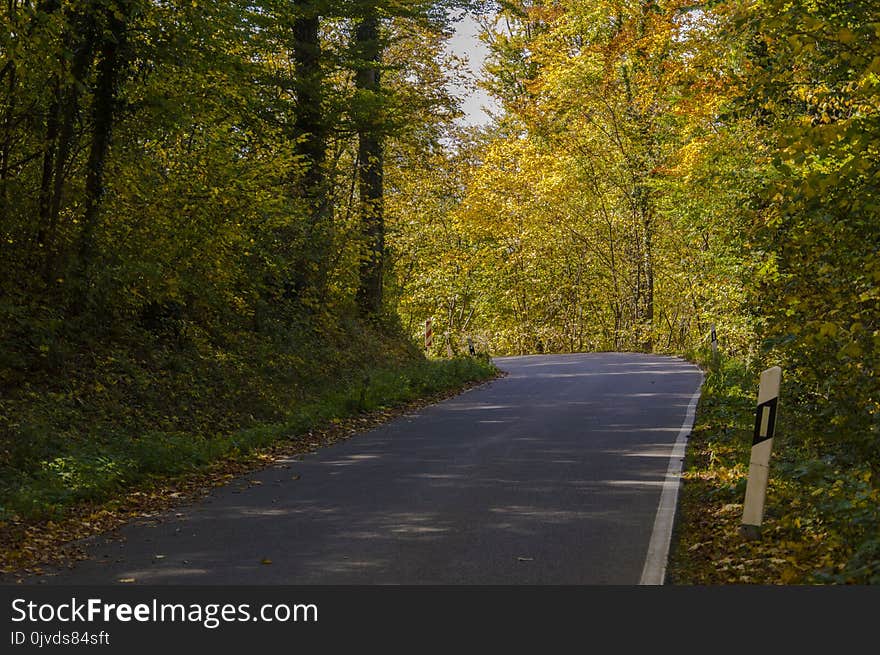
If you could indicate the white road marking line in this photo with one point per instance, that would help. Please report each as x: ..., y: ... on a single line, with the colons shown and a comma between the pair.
x: 654, y: 571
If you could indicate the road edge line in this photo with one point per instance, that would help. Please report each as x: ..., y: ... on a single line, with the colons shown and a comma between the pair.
x: 654, y: 571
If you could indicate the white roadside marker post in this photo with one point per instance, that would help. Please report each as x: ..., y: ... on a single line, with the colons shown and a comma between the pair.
x: 714, y: 343
x: 762, y: 445
x: 429, y: 335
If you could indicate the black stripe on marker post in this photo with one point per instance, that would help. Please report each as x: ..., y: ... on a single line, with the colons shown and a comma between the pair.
x: 765, y: 421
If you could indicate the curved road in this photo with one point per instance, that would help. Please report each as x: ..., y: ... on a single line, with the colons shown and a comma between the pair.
x: 550, y: 475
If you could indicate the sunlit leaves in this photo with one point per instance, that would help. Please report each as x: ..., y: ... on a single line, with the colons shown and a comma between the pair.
x: 816, y: 73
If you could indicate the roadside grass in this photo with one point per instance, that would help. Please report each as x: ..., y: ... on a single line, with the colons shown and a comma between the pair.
x: 94, y: 471
x: 126, y: 432
x: 822, y: 511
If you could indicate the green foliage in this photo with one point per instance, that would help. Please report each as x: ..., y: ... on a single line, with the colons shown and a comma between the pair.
x: 822, y: 296
x: 178, y: 231
x: 123, y: 424
x: 822, y: 514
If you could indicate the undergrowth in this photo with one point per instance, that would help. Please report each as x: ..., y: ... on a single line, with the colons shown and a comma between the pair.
x: 98, y: 424
x: 822, y: 511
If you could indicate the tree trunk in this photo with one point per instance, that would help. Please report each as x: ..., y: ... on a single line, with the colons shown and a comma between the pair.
x: 8, y: 122
x: 648, y: 322
x: 61, y: 127
x: 103, y: 117
x: 49, y: 147
x: 370, y: 167
x: 310, y: 131
x: 6, y: 150
x: 310, y: 139
x: 50, y: 144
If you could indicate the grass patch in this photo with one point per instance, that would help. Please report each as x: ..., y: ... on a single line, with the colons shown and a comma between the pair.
x: 87, y: 470
x: 822, y: 511
x: 101, y: 425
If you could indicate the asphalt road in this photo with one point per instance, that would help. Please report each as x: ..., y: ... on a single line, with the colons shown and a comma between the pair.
x: 550, y: 475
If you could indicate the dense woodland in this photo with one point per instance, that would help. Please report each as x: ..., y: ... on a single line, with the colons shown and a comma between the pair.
x: 192, y: 207
x: 212, y: 210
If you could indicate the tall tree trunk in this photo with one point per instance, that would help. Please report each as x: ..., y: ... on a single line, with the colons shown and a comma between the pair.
x: 310, y: 130
x: 6, y: 149
x: 103, y: 117
x: 648, y: 292
x: 8, y: 117
x: 61, y: 127
x: 50, y: 143
x: 50, y: 146
x: 310, y: 139
x: 370, y: 166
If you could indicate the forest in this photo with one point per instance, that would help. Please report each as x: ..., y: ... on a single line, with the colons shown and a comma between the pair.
x: 226, y: 222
